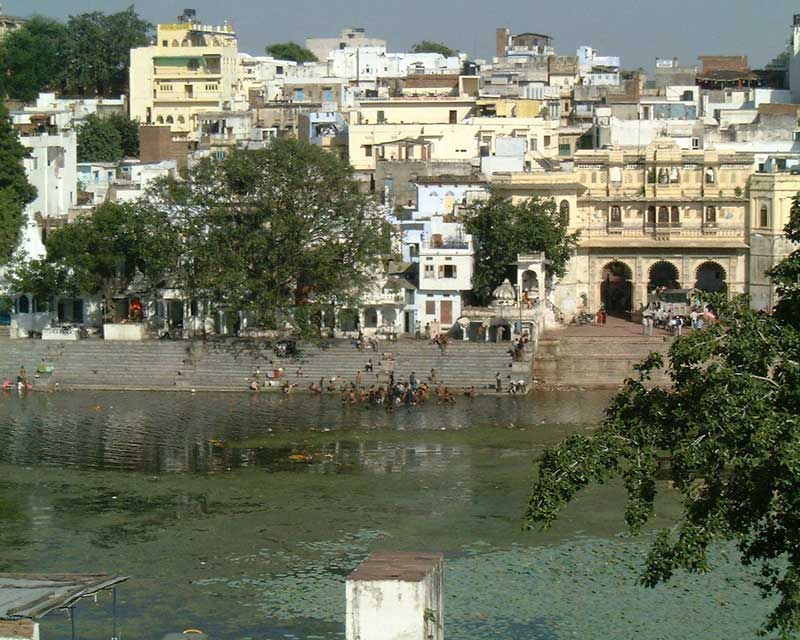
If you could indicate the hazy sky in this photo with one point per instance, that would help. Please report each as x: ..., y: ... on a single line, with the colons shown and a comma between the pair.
x: 637, y: 30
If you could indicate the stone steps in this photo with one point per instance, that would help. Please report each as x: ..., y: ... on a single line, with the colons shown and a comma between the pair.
x: 216, y: 366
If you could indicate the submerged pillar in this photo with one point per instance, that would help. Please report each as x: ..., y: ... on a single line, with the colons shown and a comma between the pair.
x: 396, y: 596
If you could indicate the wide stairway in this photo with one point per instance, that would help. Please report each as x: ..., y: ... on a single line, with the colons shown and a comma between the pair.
x: 229, y: 365
x: 596, y: 357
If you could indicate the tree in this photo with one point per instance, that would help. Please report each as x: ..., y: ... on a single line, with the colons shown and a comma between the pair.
x: 779, y: 62
x: 730, y: 429
x: 786, y: 275
x: 274, y: 232
x: 290, y: 51
x: 97, y: 55
x: 31, y: 58
x: 429, y: 46
x: 103, y: 253
x: 15, y: 190
x: 504, y: 230
x: 107, y: 139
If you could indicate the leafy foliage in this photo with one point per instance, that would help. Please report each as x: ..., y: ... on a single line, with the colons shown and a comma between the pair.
x: 729, y: 429
x: 290, y: 51
x: 429, y: 46
x: 15, y: 190
x: 108, y: 139
x: 103, y: 254
x: 274, y: 231
x: 503, y: 230
x: 97, y: 56
x: 32, y: 58
x: 780, y: 62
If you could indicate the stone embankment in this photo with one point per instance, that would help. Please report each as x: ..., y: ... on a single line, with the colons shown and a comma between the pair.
x: 228, y: 365
x: 595, y: 361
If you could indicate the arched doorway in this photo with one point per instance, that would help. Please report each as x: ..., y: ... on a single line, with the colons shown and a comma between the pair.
x: 711, y: 277
x: 616, y: 289
x: 663, y: 274
x: 530, y: 283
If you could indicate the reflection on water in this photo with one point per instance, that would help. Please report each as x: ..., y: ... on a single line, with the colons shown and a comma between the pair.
x: 242, y: 515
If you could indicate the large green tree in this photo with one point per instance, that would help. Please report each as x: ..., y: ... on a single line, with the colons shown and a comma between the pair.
x: 97, y: 54
x: 15, y: 190
x: 32, y: 58
x: 729, y: 430
x: 274, y: 231
x: 290, y: 51
x: 108, y: 139
x: 430, y: 46
x: 503, y: 230
x: 103, y: 253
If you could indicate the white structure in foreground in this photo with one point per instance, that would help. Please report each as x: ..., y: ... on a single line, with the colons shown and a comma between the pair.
x: 396, y: 596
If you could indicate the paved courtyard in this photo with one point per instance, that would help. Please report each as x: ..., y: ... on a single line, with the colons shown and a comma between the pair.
x: 614, y: 328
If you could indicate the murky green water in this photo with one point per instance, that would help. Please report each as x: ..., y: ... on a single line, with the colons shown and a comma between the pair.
x: 242, y: 516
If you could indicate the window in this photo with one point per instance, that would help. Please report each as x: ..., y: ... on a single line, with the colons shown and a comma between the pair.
x: 381, y: 117
x: 299, y: 95
x: 711, y: 215
x: 674, y: 215
x: 651, y: 215
x: 674, y: 176
x: 663, y: 215
x: 447, y: 271
x: 563, y: 149
x: 165, y: 43
x: 711, y: 176
x: 695, y: 143
x: 453, y: 116
x: 651, y: 175
x: 429, y: 271
x: 616, y: 216
x: 563, y: 212
x: 327, y: 94
x: 687, y: 96
x: 169, y: 120
x: 368, y: 150
x: 534, y: 144
x: 763, y: 217
x: 547, y: 141
x: 430, y: 308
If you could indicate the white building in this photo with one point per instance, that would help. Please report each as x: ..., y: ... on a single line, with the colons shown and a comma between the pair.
x: 367, y: 64
x: 51, y: 168
x: 597, y: 70
x: 349, y: 37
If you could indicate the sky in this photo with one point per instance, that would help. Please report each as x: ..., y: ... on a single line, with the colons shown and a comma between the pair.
x: 638, y: 31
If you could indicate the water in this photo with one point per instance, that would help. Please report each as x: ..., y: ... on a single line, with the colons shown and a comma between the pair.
x: 242, y: 515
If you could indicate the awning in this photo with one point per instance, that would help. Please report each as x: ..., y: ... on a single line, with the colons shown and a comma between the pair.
x: 31, y: 596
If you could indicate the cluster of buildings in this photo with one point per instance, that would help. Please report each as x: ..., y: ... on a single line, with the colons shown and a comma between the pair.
x: 683, y: 179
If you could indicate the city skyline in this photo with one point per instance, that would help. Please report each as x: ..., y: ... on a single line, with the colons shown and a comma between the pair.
x: 469, y: 25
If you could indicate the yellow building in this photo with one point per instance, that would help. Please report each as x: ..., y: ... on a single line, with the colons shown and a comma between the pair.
x: 445, y: 129
x: 771, y: 196
x: 664, y: 217
x: 191, y: 69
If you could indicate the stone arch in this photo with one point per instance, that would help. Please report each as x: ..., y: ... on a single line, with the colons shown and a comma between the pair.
x: 663, y: 215
x: 169, y: 120
x: 616, y: 288
x: 650, y: 217
x: 160, y: 119
x: 175, y: 43
x: 185, y: 43
x: 674, y: 215
x: 23, y: 304
x: 181, y: 120
x: 711, y: 277
x: 663, y: 274
x: 763, y: 216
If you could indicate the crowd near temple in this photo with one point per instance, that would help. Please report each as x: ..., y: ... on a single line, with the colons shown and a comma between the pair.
x: 677, y: 177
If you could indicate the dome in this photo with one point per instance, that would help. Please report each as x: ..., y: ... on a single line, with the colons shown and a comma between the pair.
x: 505, y: 295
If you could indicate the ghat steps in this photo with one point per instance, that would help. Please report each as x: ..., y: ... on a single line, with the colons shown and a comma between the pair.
x: 229, y: 365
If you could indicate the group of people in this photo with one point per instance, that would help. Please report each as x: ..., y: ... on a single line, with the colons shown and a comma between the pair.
x: 673, y: 324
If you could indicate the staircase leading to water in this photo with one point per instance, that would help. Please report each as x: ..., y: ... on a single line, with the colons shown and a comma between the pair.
x: 229, y: 365
x: 594, y: 361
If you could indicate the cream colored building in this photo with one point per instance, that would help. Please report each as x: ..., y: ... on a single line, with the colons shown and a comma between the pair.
x: 664, y: 217
x: 191, y: 69
x: 443, y: 129
x: 771, y: 196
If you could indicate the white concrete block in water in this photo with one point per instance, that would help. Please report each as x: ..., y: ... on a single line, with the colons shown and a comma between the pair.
x: 396, y: 596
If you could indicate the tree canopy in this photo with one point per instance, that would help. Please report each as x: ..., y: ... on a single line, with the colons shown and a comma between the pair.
x: 729, y: 428
x: 90, y: 55
x: 273, y: 231
x: 290, y: 51
x: 430, y: 46
x: 503, y: 230
x: 32, y: 58
x: 15, y: 190
x: 103, y: 253
x: 108, y: 139
x: 780, y: 62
